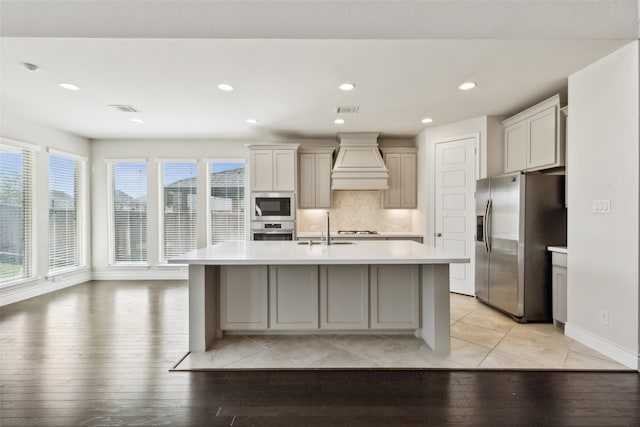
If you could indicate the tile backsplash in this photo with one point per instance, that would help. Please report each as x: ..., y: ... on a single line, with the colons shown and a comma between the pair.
x: 356, y: 210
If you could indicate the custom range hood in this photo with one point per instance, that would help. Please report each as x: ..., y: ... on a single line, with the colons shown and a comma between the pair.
x: 359, y: 165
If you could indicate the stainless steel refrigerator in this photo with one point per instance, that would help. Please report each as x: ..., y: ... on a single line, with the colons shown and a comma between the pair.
x: 517, y: 217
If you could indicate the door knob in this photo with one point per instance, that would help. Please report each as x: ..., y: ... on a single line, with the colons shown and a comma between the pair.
x: 439, y: 235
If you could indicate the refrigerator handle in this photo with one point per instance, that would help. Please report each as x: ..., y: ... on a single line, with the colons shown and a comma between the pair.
x: 487, y: 227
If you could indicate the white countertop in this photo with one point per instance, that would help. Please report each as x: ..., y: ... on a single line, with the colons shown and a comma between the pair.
x: 334, y: 235
x: 291, y: 253
x: 561, y: 249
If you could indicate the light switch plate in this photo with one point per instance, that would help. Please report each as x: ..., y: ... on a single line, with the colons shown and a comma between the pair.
x: 601, y: 206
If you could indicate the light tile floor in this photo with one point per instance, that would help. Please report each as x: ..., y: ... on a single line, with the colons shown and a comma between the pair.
x: 481, y: 338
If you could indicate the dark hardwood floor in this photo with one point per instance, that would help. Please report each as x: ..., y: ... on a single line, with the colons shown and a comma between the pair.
x: 100, y: 353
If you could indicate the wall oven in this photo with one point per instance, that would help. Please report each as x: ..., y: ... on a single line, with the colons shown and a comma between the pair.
x: 282, y: 230
x: 273, y: 207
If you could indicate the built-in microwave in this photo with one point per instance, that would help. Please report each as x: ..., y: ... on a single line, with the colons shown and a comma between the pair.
x: 273, y: 207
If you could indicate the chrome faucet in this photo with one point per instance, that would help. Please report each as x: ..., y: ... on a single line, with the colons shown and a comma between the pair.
x: 328, y: 233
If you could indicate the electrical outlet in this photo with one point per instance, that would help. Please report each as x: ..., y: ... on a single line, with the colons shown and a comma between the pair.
x: 604, y: 317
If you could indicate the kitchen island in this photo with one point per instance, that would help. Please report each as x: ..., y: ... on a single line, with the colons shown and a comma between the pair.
x: 289, y: 287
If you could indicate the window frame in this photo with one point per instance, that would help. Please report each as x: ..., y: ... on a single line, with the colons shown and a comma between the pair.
x: 31, y: 252
x: 162, y: 259
x: 208, y: 163
x: 81, y: 214
x: 111, y: 220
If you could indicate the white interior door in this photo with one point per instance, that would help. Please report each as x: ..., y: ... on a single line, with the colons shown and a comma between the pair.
x: 455, y: 182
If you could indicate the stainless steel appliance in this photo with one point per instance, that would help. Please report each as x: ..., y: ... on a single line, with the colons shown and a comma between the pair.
x: 281, y: 230
x: 273, y: 207
x: 517, y: 217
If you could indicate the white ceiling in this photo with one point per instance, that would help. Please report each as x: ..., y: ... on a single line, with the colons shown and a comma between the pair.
x: 288, y: 82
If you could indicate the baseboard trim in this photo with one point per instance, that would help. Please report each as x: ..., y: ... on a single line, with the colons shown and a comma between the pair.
x: 140, y: 275
x: 42, y: 286
x: 609, y: 349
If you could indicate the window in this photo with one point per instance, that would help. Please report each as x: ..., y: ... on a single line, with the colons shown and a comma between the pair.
x: 66, y: 213
x: 178, y: 208
x: 16, y: 212
x: 226, y: 202
x: 129, y: 212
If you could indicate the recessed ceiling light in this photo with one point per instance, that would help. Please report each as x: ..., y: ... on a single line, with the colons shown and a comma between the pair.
x: 252, y: 121
x: 347, y: 86
x: 467, y: 86
x: 68, y: 86
x: 338, y: 121
x: 225, y: 87
x: 137, y: 120
x: 427, y: 120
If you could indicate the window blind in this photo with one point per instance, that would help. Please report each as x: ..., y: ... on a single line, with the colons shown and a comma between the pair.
x: 16, y: 213
x: 178, y: 208
x: 129, y: 214
x: 66, y: 182
x: 226, y: 203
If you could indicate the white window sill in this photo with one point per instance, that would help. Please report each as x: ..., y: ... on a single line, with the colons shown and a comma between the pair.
x: 130, y: 266
x: 74, y: 270
x: 20, y: 282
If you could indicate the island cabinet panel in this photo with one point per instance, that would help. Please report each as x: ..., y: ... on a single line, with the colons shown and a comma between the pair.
x: 293, y: 298
x: 244, y: 297
x: 395, y: 298
x: 344, y: 297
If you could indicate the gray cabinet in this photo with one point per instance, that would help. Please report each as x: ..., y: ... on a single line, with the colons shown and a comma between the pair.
x: 534, y: 139
x: 395, y: 299
x: 559, y: 286
x: 314, y: 183
x: 293, y: 296
x: 273, y: 167
x: 243, y: 294
x: 402, y: 164
x: 344, y: 297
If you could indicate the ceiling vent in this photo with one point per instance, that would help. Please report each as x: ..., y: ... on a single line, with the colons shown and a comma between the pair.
x: 347, y: 110
x: 126, y: 108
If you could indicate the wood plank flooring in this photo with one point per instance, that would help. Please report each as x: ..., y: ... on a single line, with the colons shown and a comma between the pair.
x: 99, y: 354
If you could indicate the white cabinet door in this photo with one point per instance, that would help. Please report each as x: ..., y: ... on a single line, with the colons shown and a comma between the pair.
x: 243, y: 294
x: 515, y: 147
x: 344, y: 297
x: 541, y: 148
x: 262, y: 170
x: 293, y: 293
x: 395, y: 299
x: 408, y: 184
x: 403, y: 176
x: 534, y: 138
x: 392, y: 195
x: 307, y: 182
x: 284, y: 172
x: 323, y: 165
x: 314, y: 184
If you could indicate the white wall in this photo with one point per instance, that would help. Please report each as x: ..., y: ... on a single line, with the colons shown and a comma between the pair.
x: 19, y: 129
x: 603, y: 155
x: 152, y: 151
x: 489, y: 130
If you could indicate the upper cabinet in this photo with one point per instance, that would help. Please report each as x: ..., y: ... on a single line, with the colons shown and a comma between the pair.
x: 314, y: 186
x: 534, y: 138
x: 273, y: 167
x: 402, y: 166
